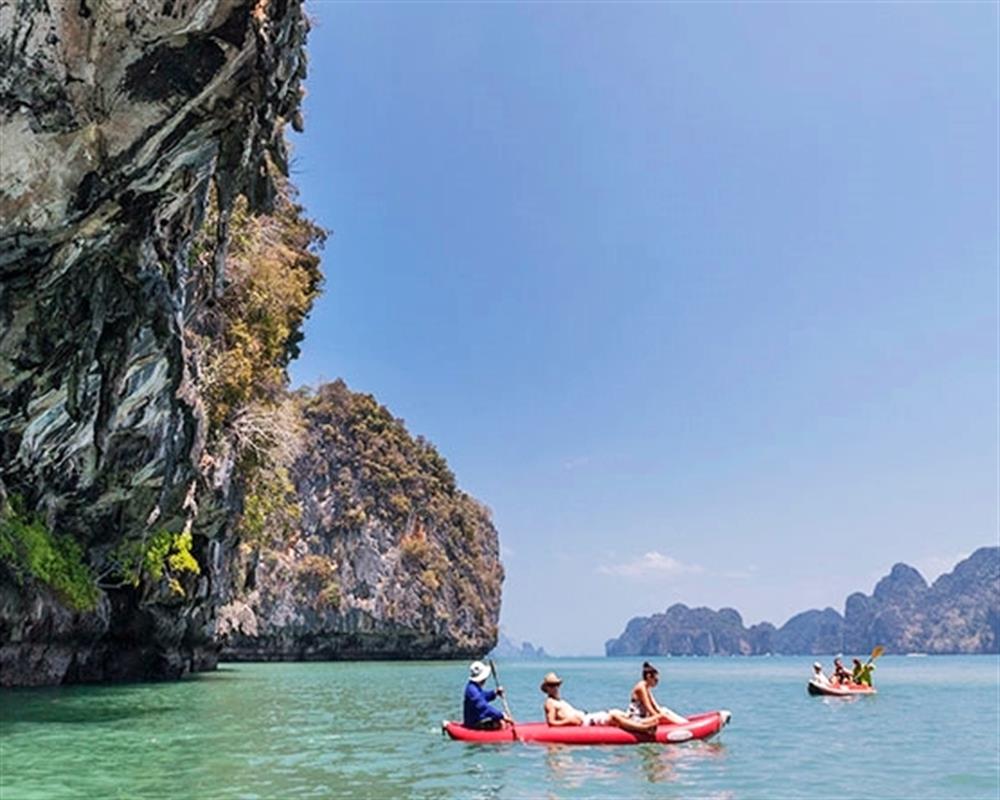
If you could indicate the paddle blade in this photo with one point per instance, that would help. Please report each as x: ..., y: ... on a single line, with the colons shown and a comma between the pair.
x: 879, y: 649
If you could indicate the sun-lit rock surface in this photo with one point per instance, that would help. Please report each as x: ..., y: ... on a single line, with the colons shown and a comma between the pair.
x: 392, y: 559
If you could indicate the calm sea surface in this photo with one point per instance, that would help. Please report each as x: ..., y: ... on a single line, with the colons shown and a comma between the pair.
x: 373, y: 730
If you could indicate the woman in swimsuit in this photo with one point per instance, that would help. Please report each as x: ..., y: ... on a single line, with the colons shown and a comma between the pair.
x: 642, y: 704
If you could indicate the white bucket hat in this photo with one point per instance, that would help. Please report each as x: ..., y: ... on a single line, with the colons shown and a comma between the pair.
x: 478, y: 671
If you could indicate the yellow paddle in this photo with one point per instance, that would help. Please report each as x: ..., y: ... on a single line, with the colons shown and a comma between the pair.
x: 876, y: 652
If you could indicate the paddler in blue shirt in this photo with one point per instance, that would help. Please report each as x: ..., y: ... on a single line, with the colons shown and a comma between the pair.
x: 477, y: 711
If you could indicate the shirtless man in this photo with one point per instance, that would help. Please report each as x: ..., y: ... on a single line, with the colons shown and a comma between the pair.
x: 559, y: 712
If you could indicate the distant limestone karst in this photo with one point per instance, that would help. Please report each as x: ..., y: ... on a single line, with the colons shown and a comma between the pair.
x: 506, y: 648
x: 958, y: 613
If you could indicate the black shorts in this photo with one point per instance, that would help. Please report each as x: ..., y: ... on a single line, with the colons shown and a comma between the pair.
x: 488, y: 725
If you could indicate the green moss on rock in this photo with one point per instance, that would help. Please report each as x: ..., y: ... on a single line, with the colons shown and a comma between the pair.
x: 32, y: 551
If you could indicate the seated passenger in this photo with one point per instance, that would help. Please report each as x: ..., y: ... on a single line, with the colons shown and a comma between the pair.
x: 864, y: 673
x: 642, y: 704
x: 476, y: 710
x: 559, y: 712
x: 840, y: 673
x: 818, y: 677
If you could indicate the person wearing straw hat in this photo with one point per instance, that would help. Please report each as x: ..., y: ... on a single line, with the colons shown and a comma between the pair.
x: 476, y: 710
x: 559, y: 712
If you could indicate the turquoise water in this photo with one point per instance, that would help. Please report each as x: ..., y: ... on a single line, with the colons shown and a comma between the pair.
x: 373, y: 730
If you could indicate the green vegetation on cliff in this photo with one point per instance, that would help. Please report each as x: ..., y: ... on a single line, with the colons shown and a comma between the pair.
x: 384, y: 476
x: 252, y: 332
x: 31, y: 550
x: 249, y: 336
x: 163, y: 554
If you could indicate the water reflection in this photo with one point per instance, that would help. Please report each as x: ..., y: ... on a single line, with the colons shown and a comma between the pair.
x: 569, y: 767
x: 666, y: 764
x: 657, y: 766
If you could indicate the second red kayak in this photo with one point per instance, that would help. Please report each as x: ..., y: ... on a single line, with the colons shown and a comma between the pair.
x: 840, y: 689
x: 698, y: 726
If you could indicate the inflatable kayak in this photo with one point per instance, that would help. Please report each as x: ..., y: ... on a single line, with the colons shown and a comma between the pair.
x: 840, y: 689
x: 698, y: 726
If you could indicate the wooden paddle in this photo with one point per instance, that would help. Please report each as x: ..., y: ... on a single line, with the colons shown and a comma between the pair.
x: 503, y: 700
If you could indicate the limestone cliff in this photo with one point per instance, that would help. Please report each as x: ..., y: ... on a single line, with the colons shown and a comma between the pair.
x: 959, y: 613
x: 114, y: 120
x: 155, y: 271
x: 390, y: 560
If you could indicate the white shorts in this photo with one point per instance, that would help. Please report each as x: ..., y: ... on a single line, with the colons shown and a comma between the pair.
x: 597, y: 718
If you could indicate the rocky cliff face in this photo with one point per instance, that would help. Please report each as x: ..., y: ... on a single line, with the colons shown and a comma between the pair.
x: 114, y: 120
x: 391, y: 559
x: 959, y: 613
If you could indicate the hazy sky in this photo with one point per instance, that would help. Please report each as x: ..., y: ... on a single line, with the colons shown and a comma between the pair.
x: 700, y: 299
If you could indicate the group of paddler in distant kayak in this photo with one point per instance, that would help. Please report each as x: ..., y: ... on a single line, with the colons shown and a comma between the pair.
x: 861, y: 674
x: 840, y: 681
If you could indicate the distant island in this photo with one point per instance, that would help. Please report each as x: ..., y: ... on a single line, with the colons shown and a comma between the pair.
x: 958, y: 613
x: 507, y: 649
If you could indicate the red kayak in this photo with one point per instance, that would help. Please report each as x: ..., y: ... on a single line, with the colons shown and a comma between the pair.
x: 839, y: 689
x: 698, y: 726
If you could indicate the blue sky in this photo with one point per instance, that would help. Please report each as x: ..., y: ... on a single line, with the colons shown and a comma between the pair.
x: 700, y: 300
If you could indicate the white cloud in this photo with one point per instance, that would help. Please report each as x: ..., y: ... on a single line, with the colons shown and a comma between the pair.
x: 650, y: 565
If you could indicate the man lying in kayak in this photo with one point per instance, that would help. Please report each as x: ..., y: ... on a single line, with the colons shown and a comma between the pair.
x: 559, y: 712
x: 476, y: 709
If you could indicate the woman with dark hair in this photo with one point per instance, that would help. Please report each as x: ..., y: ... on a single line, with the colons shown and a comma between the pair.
x: 642, y: 704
